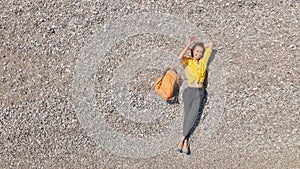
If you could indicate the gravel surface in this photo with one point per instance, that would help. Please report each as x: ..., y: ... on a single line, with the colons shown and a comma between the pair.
x: 67, y: 104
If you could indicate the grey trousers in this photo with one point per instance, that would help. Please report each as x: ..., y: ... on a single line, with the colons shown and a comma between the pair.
x: 192, y: 100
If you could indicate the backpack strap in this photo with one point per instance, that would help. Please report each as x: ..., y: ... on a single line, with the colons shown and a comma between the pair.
x: 171, y: 68
x: 157, y: 82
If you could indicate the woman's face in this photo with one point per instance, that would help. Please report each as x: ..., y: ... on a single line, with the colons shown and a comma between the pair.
x: 198, y: 52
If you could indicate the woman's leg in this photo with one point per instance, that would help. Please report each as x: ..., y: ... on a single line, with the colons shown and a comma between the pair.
x: 186, y: 104
x: 195, y: 105
x: 187, y: 101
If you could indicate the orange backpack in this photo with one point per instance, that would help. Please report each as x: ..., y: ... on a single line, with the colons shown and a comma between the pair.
x: 167, y: 84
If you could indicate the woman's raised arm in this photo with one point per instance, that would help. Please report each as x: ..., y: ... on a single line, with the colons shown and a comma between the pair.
x: 191, y: 41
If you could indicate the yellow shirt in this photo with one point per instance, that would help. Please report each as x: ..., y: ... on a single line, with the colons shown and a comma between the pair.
x: 196, y: 72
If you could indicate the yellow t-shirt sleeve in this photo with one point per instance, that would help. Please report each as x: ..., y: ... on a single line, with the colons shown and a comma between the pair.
x: 206, y: 55
x: 184, y: 61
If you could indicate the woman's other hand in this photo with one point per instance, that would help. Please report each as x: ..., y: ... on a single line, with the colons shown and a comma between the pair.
x: 209, y: 45
x: 191, y: 40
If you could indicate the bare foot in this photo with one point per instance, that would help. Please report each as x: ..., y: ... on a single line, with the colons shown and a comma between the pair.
x: 185, y: 147
x: 180, y: 145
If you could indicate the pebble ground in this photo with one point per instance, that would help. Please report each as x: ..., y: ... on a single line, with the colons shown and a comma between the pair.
x: 258, y: 42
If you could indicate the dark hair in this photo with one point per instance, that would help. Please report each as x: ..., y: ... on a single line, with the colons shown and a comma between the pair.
x: 195, y: 45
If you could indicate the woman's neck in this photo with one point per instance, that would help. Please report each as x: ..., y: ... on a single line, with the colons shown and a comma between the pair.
x: 196, y: 60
